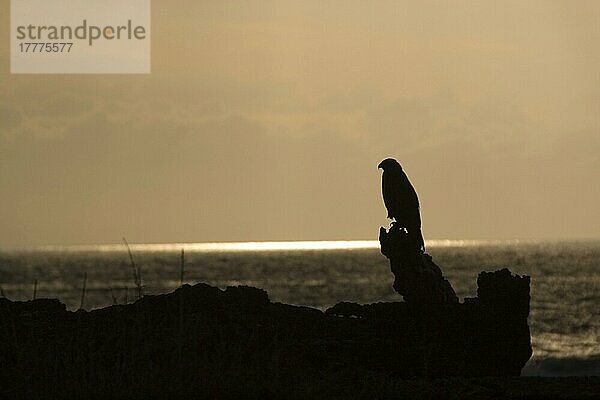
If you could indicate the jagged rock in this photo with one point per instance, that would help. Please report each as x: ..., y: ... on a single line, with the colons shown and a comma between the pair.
x: 200, y: 337
x: 502, y: 289
x: 417, y: 278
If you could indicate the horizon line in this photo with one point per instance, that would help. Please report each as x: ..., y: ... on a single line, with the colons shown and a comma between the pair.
x: 284, y: 245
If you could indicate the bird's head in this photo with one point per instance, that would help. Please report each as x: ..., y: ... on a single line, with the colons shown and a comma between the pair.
x: 389, y: 163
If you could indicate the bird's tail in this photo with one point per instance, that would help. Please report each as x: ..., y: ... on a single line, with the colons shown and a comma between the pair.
x: 417, y: 237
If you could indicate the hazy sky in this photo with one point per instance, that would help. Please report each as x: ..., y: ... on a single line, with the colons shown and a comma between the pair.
x: 265, y: 120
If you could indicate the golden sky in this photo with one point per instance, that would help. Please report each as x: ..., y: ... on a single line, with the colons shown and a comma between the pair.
x: 265, y: 120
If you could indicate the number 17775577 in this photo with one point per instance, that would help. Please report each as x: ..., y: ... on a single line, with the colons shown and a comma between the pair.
x: 42, y: 47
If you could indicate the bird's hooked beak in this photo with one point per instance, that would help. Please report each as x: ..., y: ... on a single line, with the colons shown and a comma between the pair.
x: 380, y: 166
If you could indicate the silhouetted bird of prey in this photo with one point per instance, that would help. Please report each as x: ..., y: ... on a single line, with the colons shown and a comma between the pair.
x: 401, y: 200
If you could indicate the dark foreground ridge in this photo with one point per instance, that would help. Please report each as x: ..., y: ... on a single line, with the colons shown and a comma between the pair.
x: 203, y: 340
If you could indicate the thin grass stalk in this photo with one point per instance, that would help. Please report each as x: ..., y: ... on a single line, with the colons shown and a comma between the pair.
x: 137, y: 273
x: 83, y: 290
x: 182, y: 268
x: 34, y: 289
x: 112, y: 294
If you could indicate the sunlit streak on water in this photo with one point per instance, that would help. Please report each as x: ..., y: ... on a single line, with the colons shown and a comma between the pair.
x: 263, y: 246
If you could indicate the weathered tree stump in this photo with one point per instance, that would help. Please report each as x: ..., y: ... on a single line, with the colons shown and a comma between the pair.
x: 417, y: 278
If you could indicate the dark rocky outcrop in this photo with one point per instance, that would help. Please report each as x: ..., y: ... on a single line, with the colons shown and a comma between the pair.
x: 487, y: 335
x: 417, y: 278
x: 205, y: 339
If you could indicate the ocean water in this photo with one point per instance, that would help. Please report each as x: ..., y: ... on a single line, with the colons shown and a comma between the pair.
x: 565, y: 289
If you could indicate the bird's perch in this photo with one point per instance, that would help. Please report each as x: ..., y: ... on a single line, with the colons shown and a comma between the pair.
x: 417, y: 278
